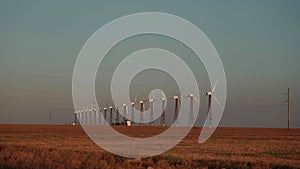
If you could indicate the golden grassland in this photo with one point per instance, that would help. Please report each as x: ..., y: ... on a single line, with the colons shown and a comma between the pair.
x: 62, y: 146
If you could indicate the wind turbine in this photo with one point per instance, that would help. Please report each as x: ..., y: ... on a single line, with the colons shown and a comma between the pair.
x: 91, y: 122
x: 105, y: 119
x: 210, y: 96
x: 95, y: 117
x: 176, y: 98
x: 98, y: 116
x: 117, y: 115
x: 163, y: 116
x: 151, y: 101
x: 191, y: 114
x: 75, y: 117
x: 86, y: 116
x: 90, y: 116
x: 142, y: 113
x: 110, y: 114
x: 125, y: 114
x: 132, y: 113
x: 81, y: 116
x: 132, y: 110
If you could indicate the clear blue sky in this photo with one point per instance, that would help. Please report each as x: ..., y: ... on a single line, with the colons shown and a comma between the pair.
x: 258, y: 42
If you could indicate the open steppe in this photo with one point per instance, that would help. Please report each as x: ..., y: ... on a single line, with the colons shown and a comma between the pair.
x: 65, y: 146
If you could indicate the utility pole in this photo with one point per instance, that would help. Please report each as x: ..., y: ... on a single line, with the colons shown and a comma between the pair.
x: 288, y: 101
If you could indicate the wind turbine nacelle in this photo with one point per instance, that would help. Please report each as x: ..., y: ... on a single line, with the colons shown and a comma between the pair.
x: 175, y: 97
x: 208, y: 93
x: 191, y: 95
x: 151, y: 100
x: 141, y: 102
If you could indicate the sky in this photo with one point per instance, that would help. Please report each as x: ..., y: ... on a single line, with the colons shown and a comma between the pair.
x: 257, y: 41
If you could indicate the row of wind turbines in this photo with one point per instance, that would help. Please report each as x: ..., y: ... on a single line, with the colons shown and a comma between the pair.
x: 92, y: 115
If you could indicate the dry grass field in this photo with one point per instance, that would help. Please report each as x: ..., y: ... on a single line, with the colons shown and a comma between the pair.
x: 61, y: 146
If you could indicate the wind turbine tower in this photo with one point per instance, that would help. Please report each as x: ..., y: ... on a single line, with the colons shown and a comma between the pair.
x: 75, y: 117
x: 210, y: 96
x: 151, y: 111
x: 125, y: 114
x: 163, y: 116
x: 86, y: 116
x: 176, y: 98
x: 191, y: 115
x: 117, y: 115
x: 110, y: 114
x: 132, y: 113
x: 142, y: 113
x: 105, y: 115
x: 81, y: 116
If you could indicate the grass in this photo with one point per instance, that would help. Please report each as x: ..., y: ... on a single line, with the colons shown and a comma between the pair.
x: 59, y: 146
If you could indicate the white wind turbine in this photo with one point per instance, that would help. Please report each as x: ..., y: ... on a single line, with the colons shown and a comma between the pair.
x: 91, y: 122
x: 86, y: 116
x: 95, y: 117
x: 132, y: 113
x: 176, y: 98
x: 75, y: 117
x: 151, y: 101
x: 210, y: 96
x: 163, y: 116
x: 125, y: 116
x: 81, y: 116
x: 105, y: 115
x: 90, y: 115
x: 110, y: 115
x: 98, y: 116
x: 142, y: 113
x: 191, y: 113
x: 117, y: 115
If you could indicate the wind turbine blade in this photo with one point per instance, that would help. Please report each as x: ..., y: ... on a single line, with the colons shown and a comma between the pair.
x: 152, y: 95
x: 162, y: 94
x: 135, y: 99
x: 214, y: 88
x: 195, y: 98
x: 217, y: 100
x: 194, y: 91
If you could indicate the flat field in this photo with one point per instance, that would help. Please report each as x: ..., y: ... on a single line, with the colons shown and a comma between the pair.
x: 63, y: 146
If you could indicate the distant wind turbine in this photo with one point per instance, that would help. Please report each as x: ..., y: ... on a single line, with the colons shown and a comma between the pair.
x: 176, y: 98
x: 142, y: 113
x: 110, y: 115
x: 210, y: 96
x: 191, y: 114
x: 163, y: 116
x: 151, y: 101
x: 105, y: 115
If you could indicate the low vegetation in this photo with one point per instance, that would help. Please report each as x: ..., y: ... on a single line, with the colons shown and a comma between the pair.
x: 44, y: 146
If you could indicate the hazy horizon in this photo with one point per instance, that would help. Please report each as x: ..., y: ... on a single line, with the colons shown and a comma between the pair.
x: 258, y: 43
